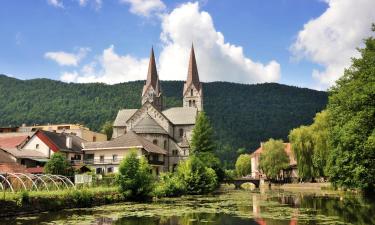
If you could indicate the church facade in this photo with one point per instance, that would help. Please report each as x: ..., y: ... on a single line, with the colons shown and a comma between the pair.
x: 162, y: 135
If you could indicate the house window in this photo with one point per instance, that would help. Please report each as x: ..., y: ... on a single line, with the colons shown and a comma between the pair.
x: 191, y: 92
x: 181, y: 132
x: 165, y: 144
x: 102, y: 158
x: 175, y: 152
x: 94, y: 139
x: 98, y: 170
x: 114, y: 158
x: 37, y: 146
x: 157, y: 171
x: 155, y: 142
x: 110, y: 170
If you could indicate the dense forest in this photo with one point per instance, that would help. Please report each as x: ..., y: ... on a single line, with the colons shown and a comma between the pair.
x: 242, y: 115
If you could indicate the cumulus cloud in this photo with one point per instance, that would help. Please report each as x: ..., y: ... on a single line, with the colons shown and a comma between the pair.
x: 67, y: 59
x: 56, y: 3
x: 331, y: 39
x: 145, y: 7
x: 216, y: 58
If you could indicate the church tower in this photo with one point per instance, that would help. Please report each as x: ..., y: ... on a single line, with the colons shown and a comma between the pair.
x: 193, y: 92
x: 151, y: 90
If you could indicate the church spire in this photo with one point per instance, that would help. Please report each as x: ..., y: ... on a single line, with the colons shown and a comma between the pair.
x: 193, y: 76
x: 152, y: 74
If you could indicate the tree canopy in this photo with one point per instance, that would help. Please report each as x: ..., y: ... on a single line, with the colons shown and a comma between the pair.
x: 58, y: 164
x: 243, y: 165
x: 202, y: 140
x: 273, y: 158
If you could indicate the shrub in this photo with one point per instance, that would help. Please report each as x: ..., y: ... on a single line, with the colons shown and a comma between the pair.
x: 169, y: 185
x: 243, y: 165
x: 134, y: 178
x: 58, y: 165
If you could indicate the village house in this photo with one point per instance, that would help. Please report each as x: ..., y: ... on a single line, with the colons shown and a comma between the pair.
x: 162, y: 135
x: 288, y: 174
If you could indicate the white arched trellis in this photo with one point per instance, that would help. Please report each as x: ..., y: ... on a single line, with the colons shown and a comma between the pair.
x: 56, y: 176
x: 6, y: 180
x: 45, y: 184
x: 67, y: 179
x: 18, y: 178
x: 27, y: 177
x: 49, y: 178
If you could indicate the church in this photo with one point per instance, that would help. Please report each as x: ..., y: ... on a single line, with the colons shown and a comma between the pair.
x: 162, y: 135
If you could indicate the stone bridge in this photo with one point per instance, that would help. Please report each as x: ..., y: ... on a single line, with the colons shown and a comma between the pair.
x: 239, y: 181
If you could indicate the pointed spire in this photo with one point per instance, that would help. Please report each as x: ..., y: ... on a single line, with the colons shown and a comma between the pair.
x: 152, y: 74
x: 193, y: 76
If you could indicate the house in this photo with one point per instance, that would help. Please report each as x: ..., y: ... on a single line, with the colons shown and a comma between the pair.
x: 74, y: 129
x: 47, y: 143
x: 290, y: 173
x: 106, y: 156
x: 163, y: 135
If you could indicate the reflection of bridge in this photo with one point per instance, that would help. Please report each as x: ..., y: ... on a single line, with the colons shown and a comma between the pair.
x: 239, y: 181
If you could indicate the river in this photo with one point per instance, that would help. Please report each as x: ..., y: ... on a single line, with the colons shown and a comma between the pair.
x: 271, y: 207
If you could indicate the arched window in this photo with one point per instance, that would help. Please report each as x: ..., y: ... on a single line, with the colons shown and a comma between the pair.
x: 189, y: 103
x: 37, y: 146
x: 194, y: 103
x: 181, y: 131
x: 94, y: 139
x: 155, y: 142
x: 165, y: 144
x: 191, y: 92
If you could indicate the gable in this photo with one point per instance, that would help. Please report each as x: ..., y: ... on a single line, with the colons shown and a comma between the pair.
x: 122, y: 116
x: 148, y: 108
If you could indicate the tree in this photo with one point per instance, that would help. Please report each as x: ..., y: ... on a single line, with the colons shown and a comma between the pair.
x: 58, y: 164
x: 243, y: 165
x: 351, y: 110
x: 135, y: 179
x: 320, y: 134
x: 107, y: 129
x: 301, y: 140
x: 202, y: 140
x: 273, y: 158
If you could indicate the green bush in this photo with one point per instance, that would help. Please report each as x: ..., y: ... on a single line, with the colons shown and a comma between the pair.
x: 81, y: 198
x: 169, y: 185
x: 197, y: 178
x: 243, y: 165
x: 134, y: 178
x: 58, y: 164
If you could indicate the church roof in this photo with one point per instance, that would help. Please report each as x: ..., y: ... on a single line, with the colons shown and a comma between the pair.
x: 148, y: 126
x: 122, y: 116
x: 128, y: 140
x: 181, y: 115
x: 193, y: 76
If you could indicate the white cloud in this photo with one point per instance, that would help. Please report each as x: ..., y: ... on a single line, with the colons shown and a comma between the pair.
x: 67, y: 59
x: 96, y: 4
x: 56, y: 3
x: 331, y: 39
x: 217, y: 59
x: 145, y: 7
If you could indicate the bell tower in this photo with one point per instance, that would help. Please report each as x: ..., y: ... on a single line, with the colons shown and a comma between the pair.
x: 151, y: 90
x: 193, y: 92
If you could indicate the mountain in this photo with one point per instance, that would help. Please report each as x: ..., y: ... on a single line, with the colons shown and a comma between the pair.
x: 242, y: 115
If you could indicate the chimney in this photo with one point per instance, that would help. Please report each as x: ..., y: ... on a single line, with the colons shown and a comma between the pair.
x: 69, y: 142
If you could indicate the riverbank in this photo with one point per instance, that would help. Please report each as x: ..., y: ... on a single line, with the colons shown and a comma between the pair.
x: 14, y: 204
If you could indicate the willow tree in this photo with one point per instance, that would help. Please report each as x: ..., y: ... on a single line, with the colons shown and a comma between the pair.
x: 320, y: 132
x: 273, y: 159
x: 351, y: 109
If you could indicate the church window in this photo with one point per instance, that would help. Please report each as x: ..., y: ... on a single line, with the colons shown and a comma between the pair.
x: 165, y: 144
x: 189, y: 103
x: 194, y: 103
x: 175, y: 153
x: 94, y: 139
x: 155, y: 142
x: 191, y: 92
x: 181, y: 132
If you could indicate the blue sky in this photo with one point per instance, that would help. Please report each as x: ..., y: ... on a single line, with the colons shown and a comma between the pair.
x: 109, y: 40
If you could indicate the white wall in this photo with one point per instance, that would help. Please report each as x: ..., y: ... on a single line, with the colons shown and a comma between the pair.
x: 43, y: 148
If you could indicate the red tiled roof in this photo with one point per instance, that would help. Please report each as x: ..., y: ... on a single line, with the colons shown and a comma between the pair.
x: 12, y: 168
x: 35, y: 170
x: 12, y: 141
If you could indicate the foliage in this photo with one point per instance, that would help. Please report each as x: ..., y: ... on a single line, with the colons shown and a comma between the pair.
x: 58, y: 164
x: 197, y: 178
x: 202, y: 140
x: 273, y: 158
x: 134, y: 178
x: 351, y: 110
x: 303, y: 148
x: 169, y: 185
x: 107, y: 129
x: 262, y: 110
x: 243, y: 165
x: 230, y: 174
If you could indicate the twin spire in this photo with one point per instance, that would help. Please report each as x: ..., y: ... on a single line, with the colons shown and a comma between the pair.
x: 153, y: 78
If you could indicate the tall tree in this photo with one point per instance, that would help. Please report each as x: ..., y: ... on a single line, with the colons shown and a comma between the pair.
x: 273, y: 158
x: 243, y: 165
x: 202, y: 140
x: 320, y: 134
x: 107, y: 129
x: 352, y: 121
x: 303, y: 148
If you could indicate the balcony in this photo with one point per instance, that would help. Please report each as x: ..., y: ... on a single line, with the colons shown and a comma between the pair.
x: 155, y: 162
x: 101, y: 161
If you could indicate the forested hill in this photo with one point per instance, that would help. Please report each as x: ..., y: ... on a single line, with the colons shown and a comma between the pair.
x: 243, y: 115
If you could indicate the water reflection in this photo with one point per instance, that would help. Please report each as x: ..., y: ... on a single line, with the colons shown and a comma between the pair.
x: 235, y: 207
